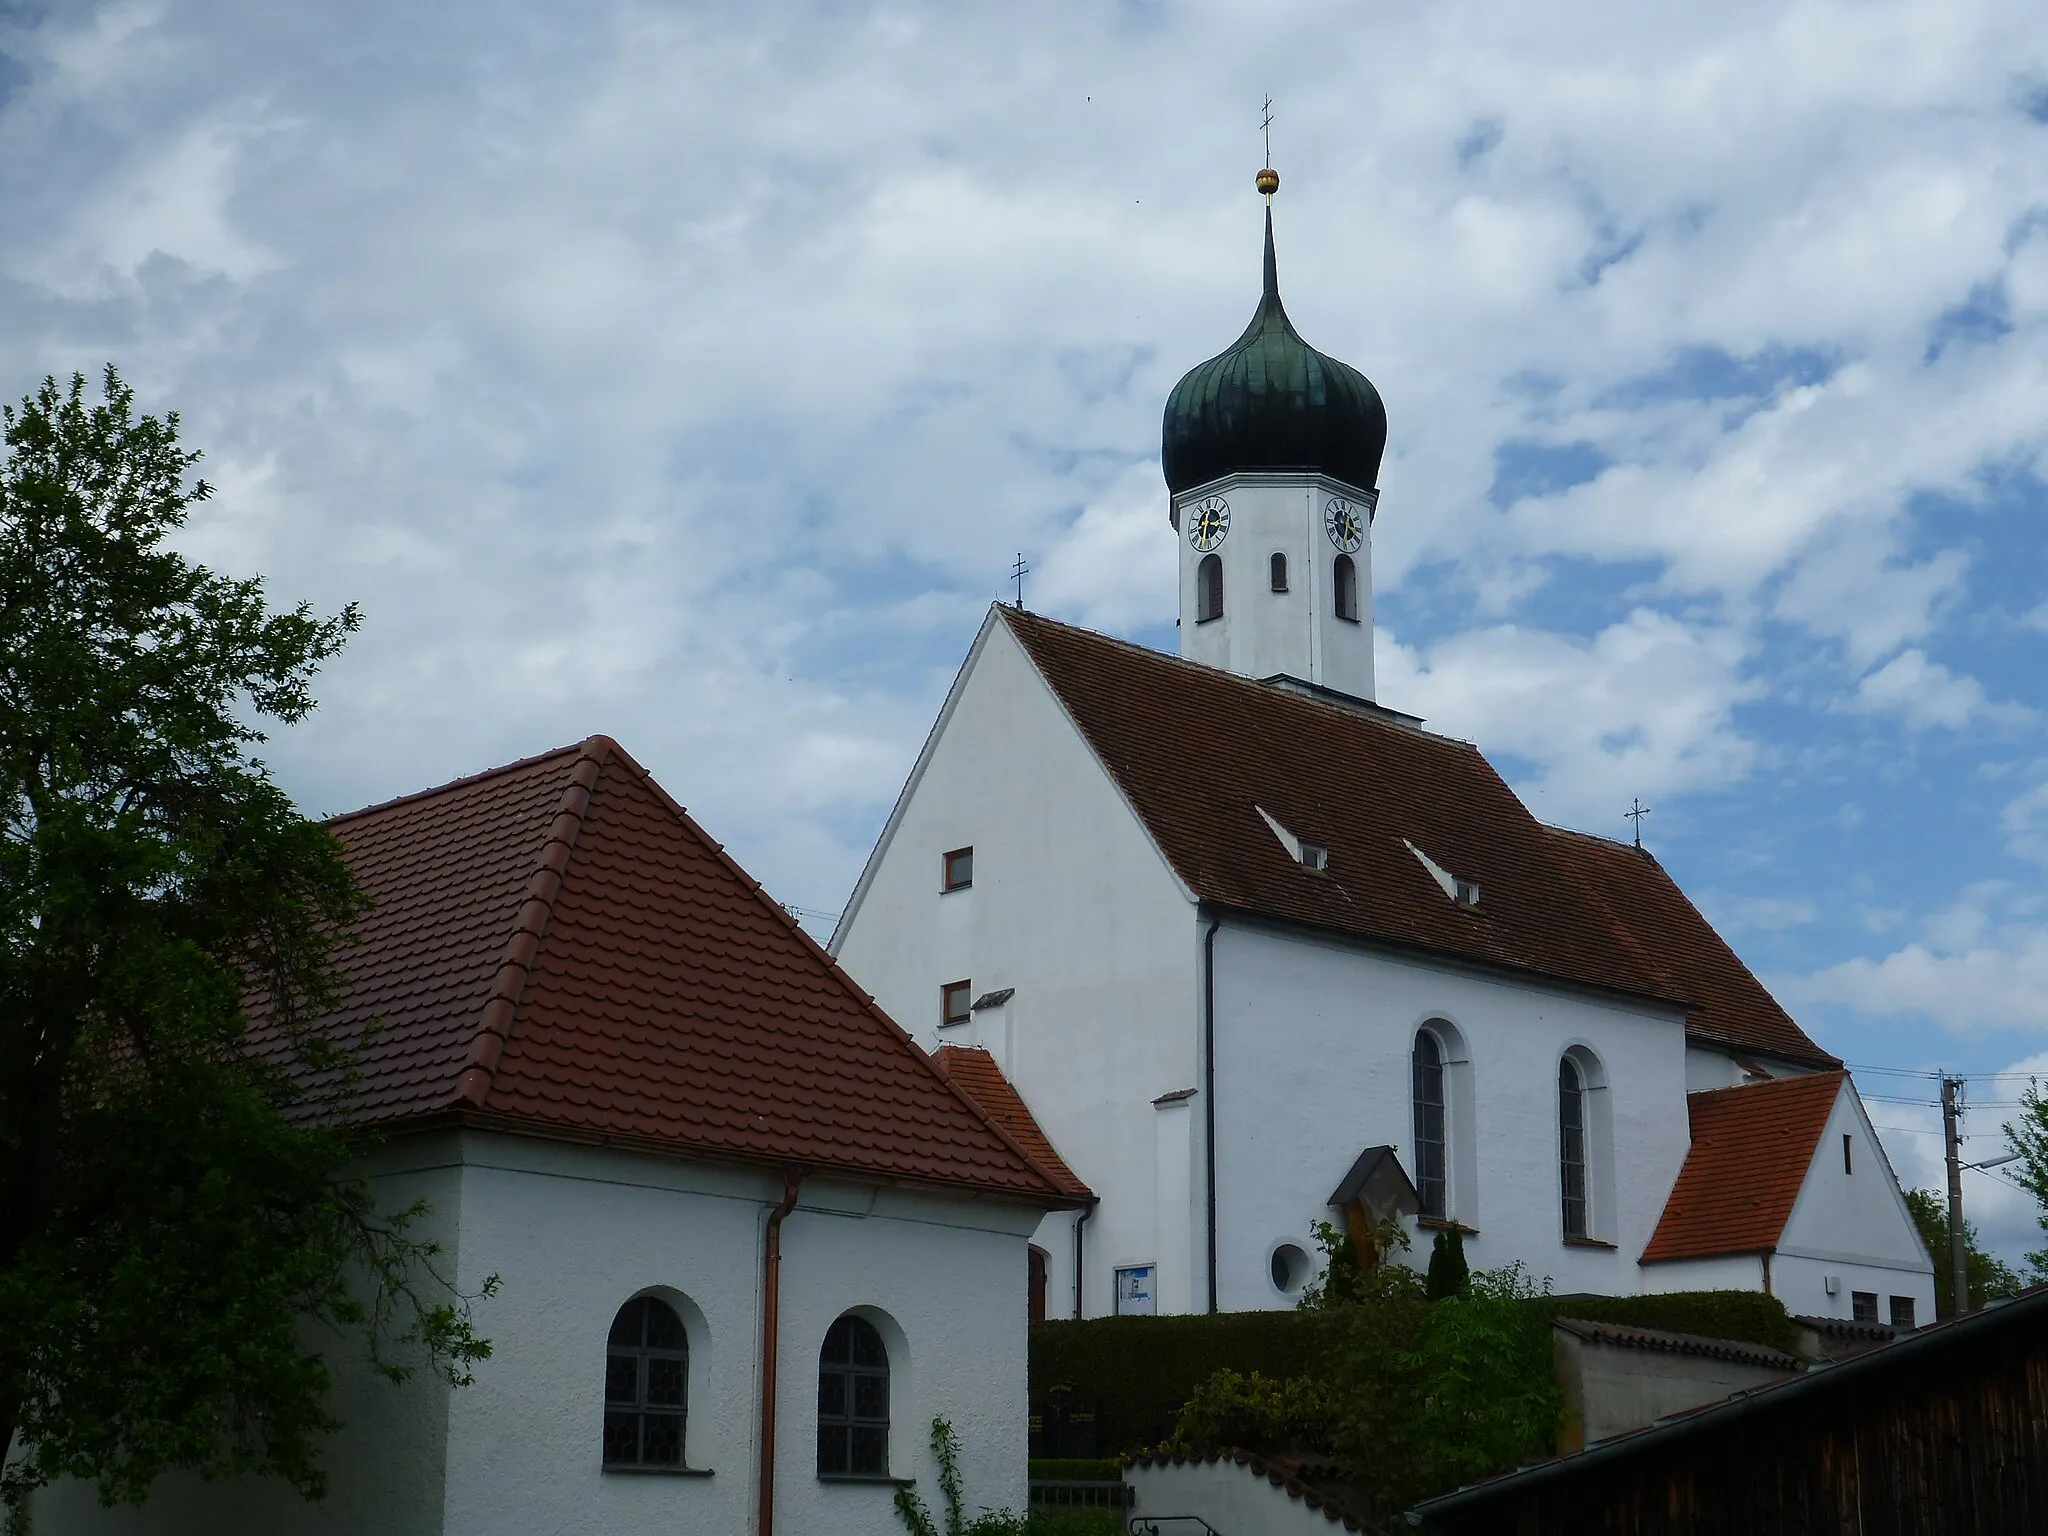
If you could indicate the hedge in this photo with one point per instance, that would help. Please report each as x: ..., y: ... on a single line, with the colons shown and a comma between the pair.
x: 1138, y: 1371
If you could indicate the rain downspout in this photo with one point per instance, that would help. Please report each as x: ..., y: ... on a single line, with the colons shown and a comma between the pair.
x: 771, y: 1309
x: 1080, y: 1221
x: 1209, y: 1089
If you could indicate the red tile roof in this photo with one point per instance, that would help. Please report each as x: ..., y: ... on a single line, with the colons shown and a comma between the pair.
x: 975, y: 1073
x: 1751, y: 1149
x: 1198, y: 752
x: 558, y: 949
x: 1734, y: 1012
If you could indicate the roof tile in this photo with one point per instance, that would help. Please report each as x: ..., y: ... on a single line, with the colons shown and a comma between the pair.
x: 975, y: 1072
x: 1751, y: 1148
x: 557, y: 947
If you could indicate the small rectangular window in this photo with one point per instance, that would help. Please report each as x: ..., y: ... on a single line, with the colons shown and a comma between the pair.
x: 958, y: 869
x: 1465, y: 892
x: 1863, y: 1306
x: 1902, y: 1312
x: 1134, y: 1291
x: 955, y: 1001
x: 1848, y: 1166
x: 1314, y: 856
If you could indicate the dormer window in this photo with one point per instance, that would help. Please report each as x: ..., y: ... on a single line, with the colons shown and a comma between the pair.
x: 1464, y: 892
x: 1308, y: 855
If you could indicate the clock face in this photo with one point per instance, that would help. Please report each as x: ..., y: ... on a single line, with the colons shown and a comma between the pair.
x: 1208, y: 523
x: 1344, y: 524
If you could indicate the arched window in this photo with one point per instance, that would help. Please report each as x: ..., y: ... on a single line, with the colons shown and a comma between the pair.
x: 646, y: 1386
x: 1279, y: 564
x: 1431, y: 1143
x: 1209, y: 589
x: 853, y: 1401
x: 1346, y: 588
x: 1571, y: 1147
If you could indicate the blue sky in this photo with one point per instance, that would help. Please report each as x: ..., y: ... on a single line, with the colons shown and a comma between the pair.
x: 693, y: 374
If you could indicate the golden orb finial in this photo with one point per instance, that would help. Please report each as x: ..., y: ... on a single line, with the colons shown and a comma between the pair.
x: 1269, y: 181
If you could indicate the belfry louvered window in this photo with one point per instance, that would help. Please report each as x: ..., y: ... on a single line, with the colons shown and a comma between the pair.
x: 1427, y: 1064
x: 1344, y: 581
x: 646, y: 1386
x: 1209, y: 589
x: 1571, y: 1146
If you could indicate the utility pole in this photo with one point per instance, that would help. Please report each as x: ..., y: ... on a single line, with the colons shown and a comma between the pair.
x: 1958, y: 1257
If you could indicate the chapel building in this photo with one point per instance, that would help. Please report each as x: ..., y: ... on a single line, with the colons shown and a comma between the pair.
x: 1255, y: 951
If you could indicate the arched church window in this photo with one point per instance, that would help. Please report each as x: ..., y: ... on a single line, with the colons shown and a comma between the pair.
x: 1279, y: 564
x: 853, y: 1401
x: 1209, y: 589
x: 646, y: 1386
x: 1571, y: 1146
x: 1346, y: 588
x: 1427, y: 1071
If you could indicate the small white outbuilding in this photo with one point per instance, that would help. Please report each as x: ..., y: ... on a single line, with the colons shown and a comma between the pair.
x: 751, y: 1240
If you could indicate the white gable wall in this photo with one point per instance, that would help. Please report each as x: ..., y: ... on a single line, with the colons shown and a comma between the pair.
x: 1312, y: 1066
x: 1852, y: 1225
x: 1074, y: 907
x: 574, y: 1233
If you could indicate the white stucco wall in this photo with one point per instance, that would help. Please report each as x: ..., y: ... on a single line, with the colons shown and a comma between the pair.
x: 1852, y: 1225
x: 574, y: 1233
x: 386, y: 1461
x: 1233, y: 1499
x: 1263, y: 632
x: 1312, y: 1066
x: 1071, y: 905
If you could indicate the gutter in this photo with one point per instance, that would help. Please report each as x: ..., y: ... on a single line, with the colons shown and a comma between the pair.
x: 771, y: 1320
x: 1209, y: 1089
x: 1080, y: 1221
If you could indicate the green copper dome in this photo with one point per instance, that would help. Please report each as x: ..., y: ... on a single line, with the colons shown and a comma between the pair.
x: 1273, y: 402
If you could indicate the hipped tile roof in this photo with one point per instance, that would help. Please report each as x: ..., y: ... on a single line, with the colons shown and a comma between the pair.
x: 1751, y: 1149
x: 975, y: 1072
x: 558, y: 949
x: 1198, y: 752
x: 1734, y: 1011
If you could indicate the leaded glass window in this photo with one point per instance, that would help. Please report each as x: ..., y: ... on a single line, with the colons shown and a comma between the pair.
x: 853, y: 1401
x: 1427, y: 1062
x: 646, y: 1386
x: 1571, y: 1146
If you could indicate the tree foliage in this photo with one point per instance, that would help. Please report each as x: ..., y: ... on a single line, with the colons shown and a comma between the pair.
x: 170, y: 1214
x: 1989, y: 1277
x: 2027, y: 1134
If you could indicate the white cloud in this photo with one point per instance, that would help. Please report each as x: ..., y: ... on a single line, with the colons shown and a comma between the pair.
x: 1925, y: 694
x: 2025, y: 824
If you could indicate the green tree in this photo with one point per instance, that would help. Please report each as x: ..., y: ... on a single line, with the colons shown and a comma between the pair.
x: 170, y: 1211
x: 1988, y: 1277
x: 2027, y: 1134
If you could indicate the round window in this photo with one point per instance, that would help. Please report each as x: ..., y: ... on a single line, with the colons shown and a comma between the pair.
x: 1290, y: 1268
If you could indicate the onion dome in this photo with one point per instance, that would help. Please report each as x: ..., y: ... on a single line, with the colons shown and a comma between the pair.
x: 1273, y: 402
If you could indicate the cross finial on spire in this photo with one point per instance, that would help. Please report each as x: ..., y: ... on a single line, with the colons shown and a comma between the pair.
x: 1018, y: 572
x: 1636, y: 812
x: 1268, y: 179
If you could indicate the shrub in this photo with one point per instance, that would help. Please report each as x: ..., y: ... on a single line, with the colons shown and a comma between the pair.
x: 1256, y: 1413
x: 1750, y: 1316
x: 1448, y: 1270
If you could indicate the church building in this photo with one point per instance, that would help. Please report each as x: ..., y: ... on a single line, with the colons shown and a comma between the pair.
x: 1254, y: 950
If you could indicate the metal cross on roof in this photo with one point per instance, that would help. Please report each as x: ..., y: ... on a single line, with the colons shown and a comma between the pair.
x: 1636, y: 812
x: 1018, y: 572
x: 1266, y: 127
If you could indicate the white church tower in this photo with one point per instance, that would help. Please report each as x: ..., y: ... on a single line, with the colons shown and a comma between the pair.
x: 1272, y: 456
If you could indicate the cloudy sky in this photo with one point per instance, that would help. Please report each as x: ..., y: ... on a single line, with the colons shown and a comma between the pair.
x: 693, y: 374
